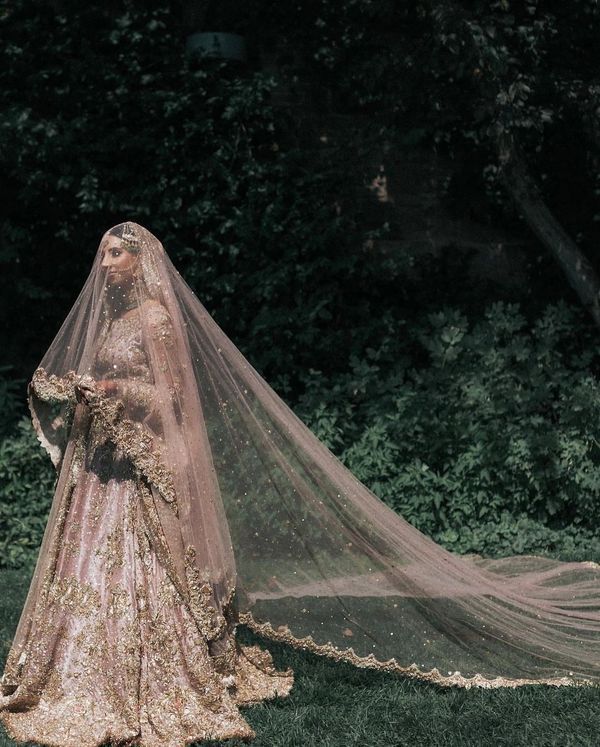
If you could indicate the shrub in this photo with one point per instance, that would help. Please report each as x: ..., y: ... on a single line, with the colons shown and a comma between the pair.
x: 500, y: 419
x: 26, y: 482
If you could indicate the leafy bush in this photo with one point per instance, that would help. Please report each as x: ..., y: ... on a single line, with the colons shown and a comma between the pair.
x: 11, y: 399
x: 26, y: 482
x: 499, y: 420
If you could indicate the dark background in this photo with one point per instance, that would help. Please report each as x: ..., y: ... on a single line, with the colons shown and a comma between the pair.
x: 391, y: 208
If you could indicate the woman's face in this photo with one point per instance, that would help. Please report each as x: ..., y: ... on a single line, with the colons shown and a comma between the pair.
x: 119, y: 263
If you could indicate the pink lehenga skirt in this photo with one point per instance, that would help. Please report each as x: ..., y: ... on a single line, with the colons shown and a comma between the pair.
x: 118, y: 657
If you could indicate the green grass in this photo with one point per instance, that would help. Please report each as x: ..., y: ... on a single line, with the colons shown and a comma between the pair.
x: 337, y: 705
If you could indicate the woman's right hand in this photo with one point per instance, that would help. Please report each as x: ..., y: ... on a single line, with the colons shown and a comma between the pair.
x: 86, y: 389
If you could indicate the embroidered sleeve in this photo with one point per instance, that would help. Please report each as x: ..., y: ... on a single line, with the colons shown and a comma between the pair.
x: 133, y: 439
x: 162, y: 336
x: 54, y: 389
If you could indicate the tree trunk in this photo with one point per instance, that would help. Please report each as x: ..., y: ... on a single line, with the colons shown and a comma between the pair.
x: 522, y: 187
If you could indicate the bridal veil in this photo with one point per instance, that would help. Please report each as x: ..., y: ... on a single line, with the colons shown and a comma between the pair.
x: 259, y: 519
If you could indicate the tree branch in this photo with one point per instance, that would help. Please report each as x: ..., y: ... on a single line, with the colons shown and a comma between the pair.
x: 523, y: 189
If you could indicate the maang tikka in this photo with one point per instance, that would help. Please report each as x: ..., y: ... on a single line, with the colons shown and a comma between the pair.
x: 130, y: 240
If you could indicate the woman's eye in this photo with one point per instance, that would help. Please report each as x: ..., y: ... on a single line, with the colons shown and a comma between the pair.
x: 116, y: 253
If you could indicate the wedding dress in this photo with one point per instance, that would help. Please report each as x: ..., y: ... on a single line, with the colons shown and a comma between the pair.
x: 190, y: 499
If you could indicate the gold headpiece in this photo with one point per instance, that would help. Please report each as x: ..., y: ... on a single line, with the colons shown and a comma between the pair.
x: 129, y: 239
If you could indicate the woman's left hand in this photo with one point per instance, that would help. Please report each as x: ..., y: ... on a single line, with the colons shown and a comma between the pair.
x: 108, y: 386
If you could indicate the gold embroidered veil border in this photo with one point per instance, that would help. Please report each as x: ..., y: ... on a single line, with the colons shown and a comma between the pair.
x: 316, y: 559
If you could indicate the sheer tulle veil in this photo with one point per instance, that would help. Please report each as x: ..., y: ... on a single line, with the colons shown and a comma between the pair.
x: 255, y: 507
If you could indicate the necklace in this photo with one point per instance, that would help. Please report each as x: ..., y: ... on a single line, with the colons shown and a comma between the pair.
x: 125, y: 299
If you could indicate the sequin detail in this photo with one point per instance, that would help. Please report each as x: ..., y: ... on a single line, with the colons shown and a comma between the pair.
x: 129, y: 662
x: 51, y: 388
x: 134, y: 442
x: 283, y: 634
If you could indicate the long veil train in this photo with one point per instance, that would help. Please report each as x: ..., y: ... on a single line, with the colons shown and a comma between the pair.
x: 268, y: 513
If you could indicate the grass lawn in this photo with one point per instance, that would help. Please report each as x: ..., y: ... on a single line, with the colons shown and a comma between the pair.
x: 337, y: 705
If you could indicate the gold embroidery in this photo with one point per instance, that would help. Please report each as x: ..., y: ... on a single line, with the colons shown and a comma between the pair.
x: 256, y: 678
x: 160, y: 325
x: 225, y: 661
x: 168, y: 595
x: 201, y: 598
x: 119, y: 603
x: 134, y: 441
x: 77, y: 459
x: 157, y: 539
x: 72, y: 545
x: 284, y: 635
x: 54, y: 688
x: 79, y: 598
x: 113, y: 550
x: 138, y: 393
x: 122, y: 352
x: 52, y: 388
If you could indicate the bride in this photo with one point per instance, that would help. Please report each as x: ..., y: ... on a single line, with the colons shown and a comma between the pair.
x: 190, y: 499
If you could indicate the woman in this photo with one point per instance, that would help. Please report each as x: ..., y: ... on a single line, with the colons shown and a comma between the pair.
x: 128, y: 631
x: 191, y: 498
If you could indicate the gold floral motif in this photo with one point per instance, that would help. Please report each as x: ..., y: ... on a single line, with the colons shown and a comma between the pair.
x: 113, y: 550
x: 119, y: 604
x: 168, y: 596
x: 122, y: 353
x: 78, y: 597
x: 284, y: 635
x: 200, y: 594
x: 160, y: 325
x: 52, y: 388
x: 134, y: 441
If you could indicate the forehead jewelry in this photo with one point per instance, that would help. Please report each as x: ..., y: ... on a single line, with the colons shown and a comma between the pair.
x: 130, y: 240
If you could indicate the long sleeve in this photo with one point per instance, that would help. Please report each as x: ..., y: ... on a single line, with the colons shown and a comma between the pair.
x: 54, y: 389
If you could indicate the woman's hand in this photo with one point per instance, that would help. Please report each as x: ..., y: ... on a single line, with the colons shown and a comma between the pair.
x: 87, y: 388
x: 108, y: 386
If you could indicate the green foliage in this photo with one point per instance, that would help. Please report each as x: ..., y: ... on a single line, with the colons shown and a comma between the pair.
x: 454, y: 421
x: 263, y: 206
x: 26, y: 482
x: 456, y: 76
x: 11, y: 399
x: 492, y: 444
